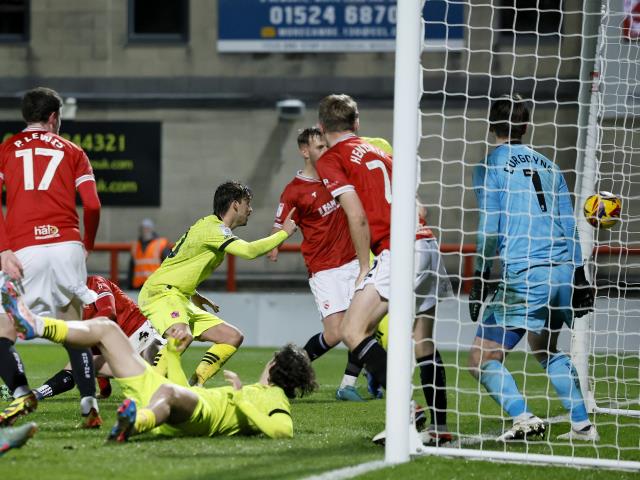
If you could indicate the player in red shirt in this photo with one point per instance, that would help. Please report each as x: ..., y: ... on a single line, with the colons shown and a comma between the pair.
x: 358, y: 175
x: 114, y: 304
x: 40, y: 240
x: 327, y: 251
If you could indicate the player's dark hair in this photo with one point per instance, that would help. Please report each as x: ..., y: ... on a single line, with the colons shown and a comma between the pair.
x: 337, y: 113
x: 305, y: 135
x: 227, y: 193
x: 509, y: 117
x: 38, y: 104
x: 292, y: 371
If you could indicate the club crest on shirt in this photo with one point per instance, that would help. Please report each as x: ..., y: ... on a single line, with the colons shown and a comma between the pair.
x: 42, y: 232
x: 226, y: 231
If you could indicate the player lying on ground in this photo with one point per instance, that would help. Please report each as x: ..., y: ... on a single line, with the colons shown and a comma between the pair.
x: 167, y: 405
x: 15, y: 437
x: 114, y: 304
x: 169, y: 298
x: 359, y: 175
x: 328, y: 254
x: 526, y: 215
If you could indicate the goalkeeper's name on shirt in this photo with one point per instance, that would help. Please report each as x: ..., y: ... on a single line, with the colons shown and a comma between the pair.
x: 522, y: 159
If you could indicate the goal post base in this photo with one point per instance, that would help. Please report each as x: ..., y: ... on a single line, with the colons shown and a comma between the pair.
x: 532, y: 458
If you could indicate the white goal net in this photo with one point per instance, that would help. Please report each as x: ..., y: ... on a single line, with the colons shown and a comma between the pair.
x: 588, y: 124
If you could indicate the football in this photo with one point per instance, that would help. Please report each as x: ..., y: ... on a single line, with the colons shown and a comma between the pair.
x: 603, y: 209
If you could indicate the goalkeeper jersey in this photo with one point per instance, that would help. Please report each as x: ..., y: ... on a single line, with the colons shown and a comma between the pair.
x: 195, y: 255
x: 526, y: 213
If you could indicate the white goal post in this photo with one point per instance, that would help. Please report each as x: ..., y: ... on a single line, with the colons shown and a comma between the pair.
x: 583, y: 83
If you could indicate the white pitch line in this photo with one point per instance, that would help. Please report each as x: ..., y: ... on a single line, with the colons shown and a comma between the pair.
x: 349, y: 472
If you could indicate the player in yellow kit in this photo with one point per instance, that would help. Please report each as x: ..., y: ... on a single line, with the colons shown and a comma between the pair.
x: 169, y: 298
x: 169, y: 406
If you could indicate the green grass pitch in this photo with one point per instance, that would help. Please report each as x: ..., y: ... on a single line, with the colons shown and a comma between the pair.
x: 328, y: 434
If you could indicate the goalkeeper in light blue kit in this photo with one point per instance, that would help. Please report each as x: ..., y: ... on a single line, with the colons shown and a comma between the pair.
x: 526, y: 217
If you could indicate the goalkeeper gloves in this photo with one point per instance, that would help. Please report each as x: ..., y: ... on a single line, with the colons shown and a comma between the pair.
x: 479, y: 291
x: 582, y: 301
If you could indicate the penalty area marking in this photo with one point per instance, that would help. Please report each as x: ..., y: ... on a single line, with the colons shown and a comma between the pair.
x: 350, y: 472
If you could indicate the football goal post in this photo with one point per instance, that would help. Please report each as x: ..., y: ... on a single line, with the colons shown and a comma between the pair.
x: 578, y: 66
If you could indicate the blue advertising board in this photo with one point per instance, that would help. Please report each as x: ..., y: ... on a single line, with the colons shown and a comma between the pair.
x: 330, y: 25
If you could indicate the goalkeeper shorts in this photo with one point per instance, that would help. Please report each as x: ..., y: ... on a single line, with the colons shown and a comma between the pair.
x: 533, y: 297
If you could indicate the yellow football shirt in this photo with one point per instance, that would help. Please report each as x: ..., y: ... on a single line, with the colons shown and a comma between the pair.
x: 195, y: 255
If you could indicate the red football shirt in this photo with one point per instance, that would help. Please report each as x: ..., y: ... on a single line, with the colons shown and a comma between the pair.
x: 326, y: 240
x: 42, y: 171
x: 354, y: 165
x: 113, y: 303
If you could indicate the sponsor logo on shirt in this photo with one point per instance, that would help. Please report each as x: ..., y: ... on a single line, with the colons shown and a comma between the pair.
x: 328, y: 208
x: 226, y: 231
x: 279, y: 210
x: 43, y: 232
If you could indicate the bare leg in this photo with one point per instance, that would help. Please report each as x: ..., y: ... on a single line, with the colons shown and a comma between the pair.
x: 363, y: 315
x: 114, y: 345
x: 172, y: 404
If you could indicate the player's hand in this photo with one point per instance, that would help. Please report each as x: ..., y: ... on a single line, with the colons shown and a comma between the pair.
x: 583, y: 294
x: 201, y: 301
x: 11, y: 265
x: 182, y: 337
x: 289, y: 225
x: 361, y: 275
x: 479, y: 292
x: 273, y: 255
x: 233, y: 379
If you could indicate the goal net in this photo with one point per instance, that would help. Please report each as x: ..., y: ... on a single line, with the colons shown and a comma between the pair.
x: 578, y: 65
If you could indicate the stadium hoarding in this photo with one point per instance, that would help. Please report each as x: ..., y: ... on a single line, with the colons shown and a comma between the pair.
x: 125, y: 156
x: 330, y: 25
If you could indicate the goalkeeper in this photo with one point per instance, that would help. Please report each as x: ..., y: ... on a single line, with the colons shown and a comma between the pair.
x: 527, y: 217
x: 170, y: 407
x: 169, y: 299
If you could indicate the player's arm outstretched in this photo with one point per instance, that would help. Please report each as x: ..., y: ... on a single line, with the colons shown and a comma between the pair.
x: 358, y: 228
x: 276, y: 425
x: 251, y: 250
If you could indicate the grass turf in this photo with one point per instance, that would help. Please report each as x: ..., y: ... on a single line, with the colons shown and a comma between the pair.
x: 328, y: 434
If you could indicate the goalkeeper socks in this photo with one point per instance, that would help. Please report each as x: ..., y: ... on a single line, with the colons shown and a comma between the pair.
x: 564, y: 379
x: 502, y: 388
x: 54, y: 330
x: 160, y: 362
x: 317, y: 346
x: 211, y: 362
x: 370, y: 353
x: 434, y: 382
x: 61, y: 382
x: 145, y: 420
x: 12, y: 369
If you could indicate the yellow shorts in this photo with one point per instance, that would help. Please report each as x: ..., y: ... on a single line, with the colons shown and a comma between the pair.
x: 207, y: 418
x: 142, y: 387
x: 170, y: 307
